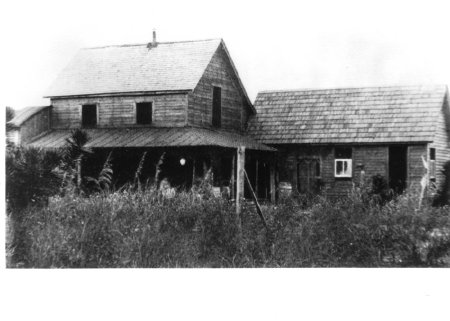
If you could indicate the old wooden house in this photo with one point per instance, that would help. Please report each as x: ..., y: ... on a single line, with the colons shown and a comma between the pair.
x: 183, y: 100
x: 328, y: 139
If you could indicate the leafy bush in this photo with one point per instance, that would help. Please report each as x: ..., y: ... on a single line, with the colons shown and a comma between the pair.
x: 30, y: 180
x: 30, y: 175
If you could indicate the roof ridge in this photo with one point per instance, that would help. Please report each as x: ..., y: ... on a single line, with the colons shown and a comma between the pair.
x: 145, y: 44
x: 354, y: 88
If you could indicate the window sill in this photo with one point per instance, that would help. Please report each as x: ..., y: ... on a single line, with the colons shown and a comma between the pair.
x: 345, y: 178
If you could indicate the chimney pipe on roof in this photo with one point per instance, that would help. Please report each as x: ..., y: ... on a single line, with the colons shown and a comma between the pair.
x: 153, y: 44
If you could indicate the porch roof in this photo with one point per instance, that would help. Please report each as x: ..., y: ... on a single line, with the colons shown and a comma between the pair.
x: 151, y: 137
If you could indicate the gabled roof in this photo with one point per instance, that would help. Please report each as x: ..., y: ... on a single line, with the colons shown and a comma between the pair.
x: 348, y: 115
x: 170, y: 66
x: 24, y: 114
x: 152, y: 137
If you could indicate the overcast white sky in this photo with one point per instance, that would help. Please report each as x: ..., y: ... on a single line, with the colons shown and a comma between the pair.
x: 274, y: 44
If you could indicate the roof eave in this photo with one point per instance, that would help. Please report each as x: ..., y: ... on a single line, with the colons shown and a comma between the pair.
x: 238, y: 77
x: 444, y: 103
x: 349, y: 143
x: 126, y: 93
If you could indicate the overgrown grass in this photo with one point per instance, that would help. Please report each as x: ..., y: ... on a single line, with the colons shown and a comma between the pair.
x: 145, y: 226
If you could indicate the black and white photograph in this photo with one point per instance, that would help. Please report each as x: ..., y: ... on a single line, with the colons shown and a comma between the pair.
x: 227, y: 141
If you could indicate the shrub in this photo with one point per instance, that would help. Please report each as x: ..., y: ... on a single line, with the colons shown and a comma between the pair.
x: 30, y: 175
x: 30, y: 180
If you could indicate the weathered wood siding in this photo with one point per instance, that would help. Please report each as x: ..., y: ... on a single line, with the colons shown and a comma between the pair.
x: 442, y: 142
x: 168, y: 110
x: 415, y: 170
x: 234, y: 108
x: 374, y: 159
x: 35, y: 125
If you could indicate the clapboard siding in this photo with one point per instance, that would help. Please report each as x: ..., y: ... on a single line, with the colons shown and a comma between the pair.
x: 373, y: 159
x: 218, y: 73
x: 442, y: 142
x: 168, y: 110
x: 416, y: 169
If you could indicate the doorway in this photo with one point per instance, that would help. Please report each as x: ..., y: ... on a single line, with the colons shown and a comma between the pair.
x: 308, y: 175
x: 258, y: 172
x: 398, y: 168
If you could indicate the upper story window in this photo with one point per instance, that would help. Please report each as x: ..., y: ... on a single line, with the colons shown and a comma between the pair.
x: 217, y: 107
x: 88, y: 115
x: 432, y: 166
x: 343, y: 162
x: 144, y: 113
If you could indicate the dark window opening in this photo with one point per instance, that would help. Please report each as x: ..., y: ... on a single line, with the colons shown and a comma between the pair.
x: 89, y: 115
x: 432, y: 153
x: 143, y: 113
x: 217, y: 107
x: 432, y: 165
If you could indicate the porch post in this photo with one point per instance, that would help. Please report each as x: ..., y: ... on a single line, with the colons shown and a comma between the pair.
x: 272, y: 183
x: 232, y: 177
x: 256, y: 178
x: 240, y: 178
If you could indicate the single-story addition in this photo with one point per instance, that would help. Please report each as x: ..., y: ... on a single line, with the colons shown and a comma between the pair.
x: 27, y: 124
x: 327, y: 138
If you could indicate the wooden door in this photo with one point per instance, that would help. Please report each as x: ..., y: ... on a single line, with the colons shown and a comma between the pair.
x: 308, y: 175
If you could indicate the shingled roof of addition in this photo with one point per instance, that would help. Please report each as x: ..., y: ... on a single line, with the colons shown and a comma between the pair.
x: 348, y: 115
x: 24, y: 114
x: 152, y: 137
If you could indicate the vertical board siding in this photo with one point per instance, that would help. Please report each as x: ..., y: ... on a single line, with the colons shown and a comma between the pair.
x: 35, y: 125
x: 218, y: 73
x: 442, y: 143
x: 374, y: 159
x: 168, y: 110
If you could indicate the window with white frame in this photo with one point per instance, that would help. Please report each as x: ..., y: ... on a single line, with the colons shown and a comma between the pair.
x: 343, y: 162
x: 432, y: 164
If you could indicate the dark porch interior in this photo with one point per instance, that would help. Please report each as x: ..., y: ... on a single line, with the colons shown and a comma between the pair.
x: 184, y: 166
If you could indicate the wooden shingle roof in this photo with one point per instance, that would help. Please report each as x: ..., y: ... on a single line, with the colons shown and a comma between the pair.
x: 151, y: 137
x: 170, y: 66
x: 24, y: 114
x: 348, y: 115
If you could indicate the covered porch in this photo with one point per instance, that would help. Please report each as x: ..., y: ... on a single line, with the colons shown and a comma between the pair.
x: 181, y: 156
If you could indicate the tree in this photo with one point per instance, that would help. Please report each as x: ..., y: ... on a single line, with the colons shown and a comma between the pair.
x: 10, y: 113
